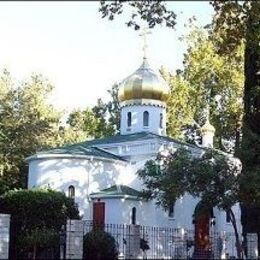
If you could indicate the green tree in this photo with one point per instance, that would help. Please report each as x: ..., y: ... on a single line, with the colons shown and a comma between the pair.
x: 102, y: 120
x: 37, y: 217
x: 213, y: 177
x: 27, y: 123
x: 180, y: 111
x: 208, y: 78
x: 215, y: 80
x: 152, y: 12
x: 237, y: 22
x: 81, y: 125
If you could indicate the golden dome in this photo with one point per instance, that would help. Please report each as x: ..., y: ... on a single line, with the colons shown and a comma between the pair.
x: 208, y: 127
x: 144, y: 83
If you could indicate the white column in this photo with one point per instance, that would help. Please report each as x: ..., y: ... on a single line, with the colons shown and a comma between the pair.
x: 74, y: 239
x: 252, y: 250
x: 4, y: 235
x: 133, y: 242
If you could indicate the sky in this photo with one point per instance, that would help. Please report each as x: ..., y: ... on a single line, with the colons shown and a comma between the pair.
x: 80, y: 53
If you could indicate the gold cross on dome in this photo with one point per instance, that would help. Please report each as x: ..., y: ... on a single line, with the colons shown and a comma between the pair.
x: 144, y: 34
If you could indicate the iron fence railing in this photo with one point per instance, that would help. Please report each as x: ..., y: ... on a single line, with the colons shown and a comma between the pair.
x: 146, y: 242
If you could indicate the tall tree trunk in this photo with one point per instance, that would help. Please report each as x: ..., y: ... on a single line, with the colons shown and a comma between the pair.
x: 238, y: 243
x: 250, y: 145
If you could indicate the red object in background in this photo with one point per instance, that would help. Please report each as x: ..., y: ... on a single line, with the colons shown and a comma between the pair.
x: 99, y: 214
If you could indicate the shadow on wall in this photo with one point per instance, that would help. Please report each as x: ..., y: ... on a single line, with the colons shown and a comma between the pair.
x: 86, y: 176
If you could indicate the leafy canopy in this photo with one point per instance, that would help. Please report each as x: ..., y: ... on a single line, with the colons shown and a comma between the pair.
x: 152, y: 12
x: 214, y: 177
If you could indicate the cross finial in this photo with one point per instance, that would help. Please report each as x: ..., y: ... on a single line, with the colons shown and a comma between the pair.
x: 144, y: 34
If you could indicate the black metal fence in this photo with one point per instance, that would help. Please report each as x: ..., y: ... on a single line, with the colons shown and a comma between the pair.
x: 145, y: 242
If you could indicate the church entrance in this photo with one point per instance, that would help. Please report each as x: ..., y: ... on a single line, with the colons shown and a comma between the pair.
x: 98, y: 214
x: 202, y: 232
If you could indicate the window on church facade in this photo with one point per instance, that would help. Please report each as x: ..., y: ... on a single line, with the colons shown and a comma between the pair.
x: 161, y: 120
x: 228, y: 217
x: 133, y: 216
x: 171, y: 210
x: 71, y: 191
x: 129, y: 119
x: 146, y: 118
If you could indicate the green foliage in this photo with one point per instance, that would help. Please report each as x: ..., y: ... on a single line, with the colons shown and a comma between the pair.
x: 236, y: 22
x: 27, y: 123
x: 179, y: 108
x: 98, y: 245
x: 214, y: 177
x: 38, y: 237
x: 102, y: 120
x: 215, y: 80
x: 36, y: 217
x: 29, y: 208
x: 152, y: 12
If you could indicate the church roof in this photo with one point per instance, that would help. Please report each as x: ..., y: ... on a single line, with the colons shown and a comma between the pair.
x: 89, y: 148
x: 79, y: 149
x: 116, y: 191
x: 141, y: 136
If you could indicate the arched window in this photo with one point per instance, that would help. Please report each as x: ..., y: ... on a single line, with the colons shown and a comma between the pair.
x: 133, y: 217
x: 71, y: 191
x: 145, y: 118
x: 129, y: 119
x: 228, y: 216
x: 161, y: 120
x: 171, y: 210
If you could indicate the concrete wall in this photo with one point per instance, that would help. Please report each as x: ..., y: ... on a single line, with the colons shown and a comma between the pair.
x: 4, y: 235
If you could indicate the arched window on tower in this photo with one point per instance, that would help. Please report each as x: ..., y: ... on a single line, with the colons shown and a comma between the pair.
x: 161, y: 120
x: 129, y: 119
x: 146, y: 118
x: 71, y: 190
x: 133, y: 216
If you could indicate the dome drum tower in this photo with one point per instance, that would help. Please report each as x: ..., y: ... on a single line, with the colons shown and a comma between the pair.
x: 142, y: 98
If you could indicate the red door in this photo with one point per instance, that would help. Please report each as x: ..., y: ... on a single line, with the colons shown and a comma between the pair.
x: 99, y: 214
x: 202, y: 241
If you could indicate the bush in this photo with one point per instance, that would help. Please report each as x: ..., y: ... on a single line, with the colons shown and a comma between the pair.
x: 36, y: 219
x: 98, y: 245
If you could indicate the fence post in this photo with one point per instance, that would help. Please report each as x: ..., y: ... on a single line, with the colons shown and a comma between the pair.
x: 4, y: 235
x: 133, y: 242
x: 252, y: 250
x: 74, y: 239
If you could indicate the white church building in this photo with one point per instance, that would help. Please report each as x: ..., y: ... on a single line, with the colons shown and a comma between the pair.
x: 101, y: 174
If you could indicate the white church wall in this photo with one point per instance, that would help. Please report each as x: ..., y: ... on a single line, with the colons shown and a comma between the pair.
x: 119, y: 211
x: 183, y: 211
x: 221, y: 220
x: 137, y: 119
x: 86, y: 176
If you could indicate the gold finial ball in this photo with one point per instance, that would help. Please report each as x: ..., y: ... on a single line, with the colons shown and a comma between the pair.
x: 144, y: 83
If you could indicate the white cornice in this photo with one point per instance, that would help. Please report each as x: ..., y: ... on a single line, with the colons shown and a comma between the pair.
x: 72, y: 156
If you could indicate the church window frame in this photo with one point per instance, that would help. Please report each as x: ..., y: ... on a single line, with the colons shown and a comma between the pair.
x: 133, y: 216
x: 146, y: 119
x: 161, y: 120
x: 129, y: 119
x: 228, y: 217
x: 171, y: 210
x: 71, y: 192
